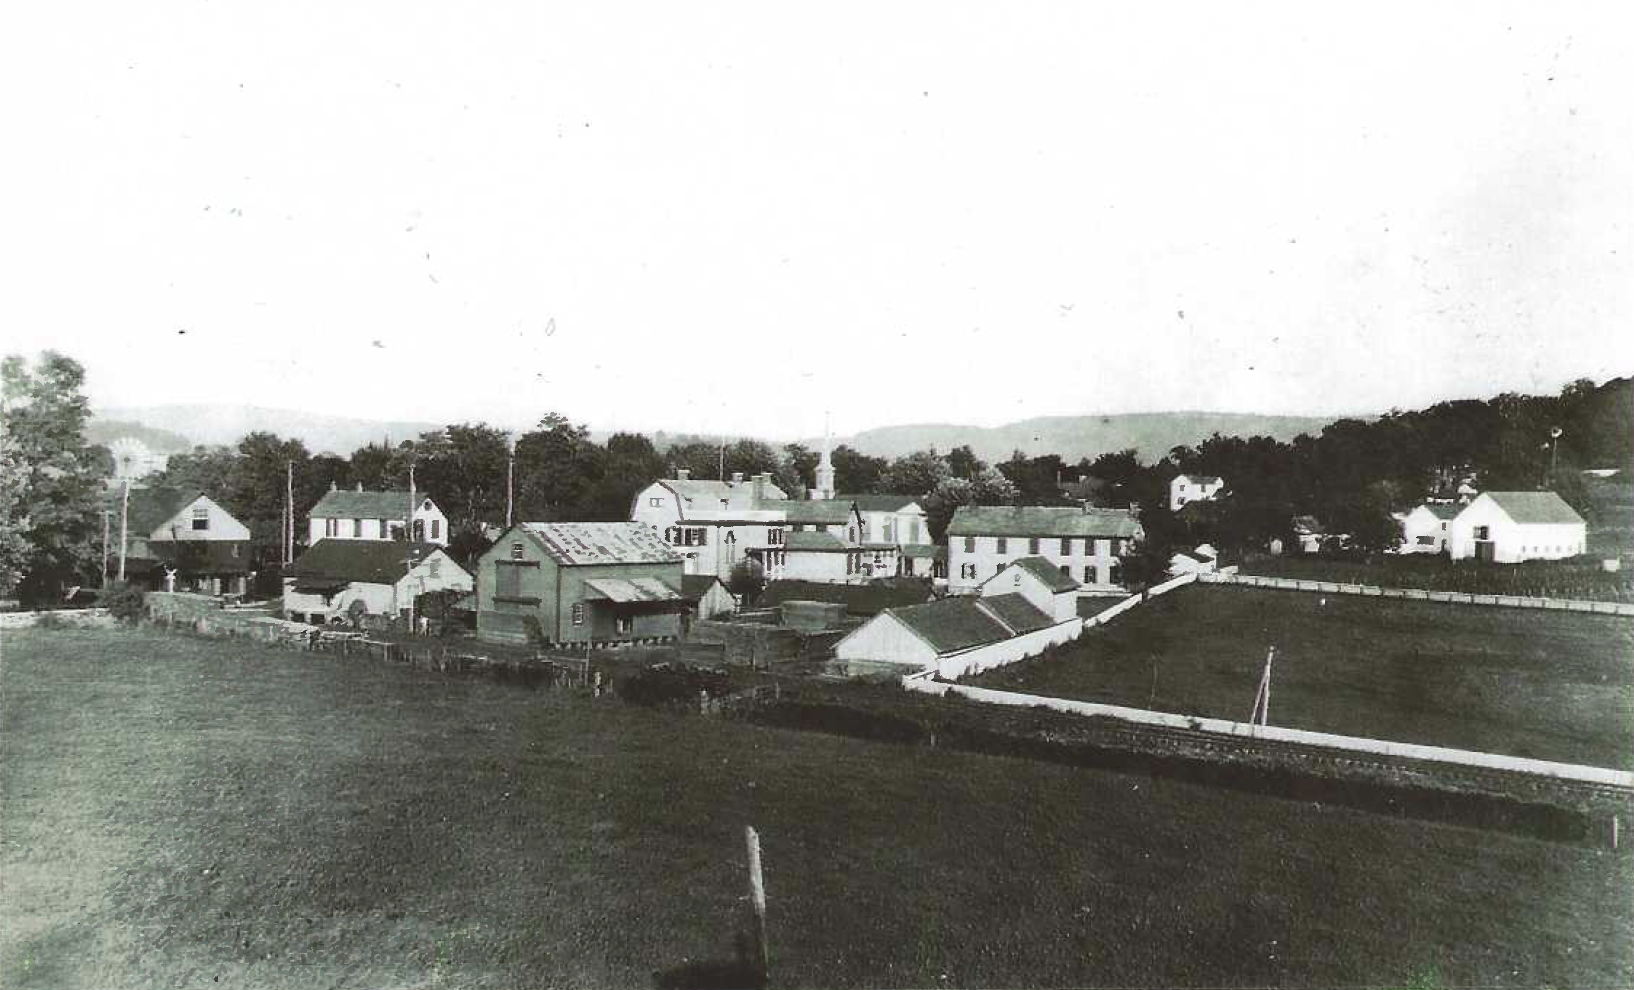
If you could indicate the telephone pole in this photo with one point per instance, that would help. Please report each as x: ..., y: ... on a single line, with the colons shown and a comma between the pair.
x: 124, y: 524
x: 106, y: 513
x: 510, y: 478
x: 289, y: 512
x: 1262, y: 697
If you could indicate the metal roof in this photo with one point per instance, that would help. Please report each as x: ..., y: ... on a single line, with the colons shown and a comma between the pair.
x: 633, y: 590
x: 1042, y: 520
x: 601, y: 542
x: 1536, y: 507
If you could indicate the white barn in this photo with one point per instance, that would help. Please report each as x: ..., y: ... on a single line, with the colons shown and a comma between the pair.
x: 1428, y: 528
x: 1511, y: 527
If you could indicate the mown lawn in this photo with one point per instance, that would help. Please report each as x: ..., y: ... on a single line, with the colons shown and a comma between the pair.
x: 1549, y: 685
x: 180, y: 812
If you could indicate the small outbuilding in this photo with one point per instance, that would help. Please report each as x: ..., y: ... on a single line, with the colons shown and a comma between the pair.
x: 707, y: 594
x: 1428, y: 528
x: 1048, y: 587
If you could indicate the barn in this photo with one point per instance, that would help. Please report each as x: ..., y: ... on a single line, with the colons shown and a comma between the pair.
x: 1511, y: 527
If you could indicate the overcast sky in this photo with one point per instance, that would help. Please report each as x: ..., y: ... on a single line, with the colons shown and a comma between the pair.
x: 733, y: 216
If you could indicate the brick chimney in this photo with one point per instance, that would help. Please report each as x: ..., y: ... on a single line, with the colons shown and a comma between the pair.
x: 760, y: 481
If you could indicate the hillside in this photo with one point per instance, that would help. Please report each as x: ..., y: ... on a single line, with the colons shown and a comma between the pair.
x: 225, y: 424
x: 1073, y: 437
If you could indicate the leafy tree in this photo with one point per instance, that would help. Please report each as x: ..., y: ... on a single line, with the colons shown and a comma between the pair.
x: 746, y: 581
x: 14, y: 522
x: 988, y: 488
x: 962, y: 462
x: 918, y: 473
x: 462, y: 468
x: 209, y: 469
x: 630, y: 464
x: 377, y: 467
x: 857, y: 473
x: 701, y: 457
x: 556, y: 466
x: 796, y: 471
x: 56, y: 516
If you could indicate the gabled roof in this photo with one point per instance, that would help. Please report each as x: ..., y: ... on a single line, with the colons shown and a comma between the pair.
x: 1041, y: 520
x: 1045, y: 571
x: 1443, y: 510
x: 859, y: 599
x: 695, y: 586
x: 575, y: 543
x: 814, y: 541
x: 1086, y: 488
x: 952, y: 624
x: 829, y: 512
x: 345, y: 504
x: 707, y: 495
x: 366, y: 561
x: 1015, y: 611
x: 924, y: 551
x: 151, y: 508
x: 1199, y: 479
x: 1535, y: 507
x: 880, y: 503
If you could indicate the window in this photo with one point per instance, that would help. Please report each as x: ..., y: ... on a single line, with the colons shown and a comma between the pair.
x: 774, y: 537
x: 331, y: 527
x: 1066, y: 546
x: 357, y: 529
x: 1089, y: 574
x: 578, y: 613
x: 851, y: 534
x: 235, y: 550
x: 970, y: 544
x: 1066, y: 570
x: 419, y: 530
x: 622, y: 625
x: 1443, y: 527
x: 1003, y: 545
x: 1483, y: 532
x: 725, y: 503
x: 436, y: 528
x: 913, y: 530
x: 889, y: 531
x: 433, y: 566
x: 1032, y: 545
x: 1425, y: 541
x: 201, y: 518
x: 656, y: 503
x: 516, y: 551
x: 385, y: 530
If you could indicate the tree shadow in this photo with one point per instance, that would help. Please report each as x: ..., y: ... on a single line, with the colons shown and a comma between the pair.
x: 741, y: 972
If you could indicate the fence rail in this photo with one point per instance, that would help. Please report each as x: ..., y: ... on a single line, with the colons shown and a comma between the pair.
x: 1421, y: 594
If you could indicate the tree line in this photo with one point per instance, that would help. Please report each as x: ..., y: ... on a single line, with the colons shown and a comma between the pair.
x: 1351, y: 476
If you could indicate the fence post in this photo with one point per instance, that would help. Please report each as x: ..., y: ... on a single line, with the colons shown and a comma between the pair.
x: 757, y: 899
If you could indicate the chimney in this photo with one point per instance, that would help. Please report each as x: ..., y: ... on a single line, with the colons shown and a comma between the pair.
x: 682, y: 474
x: 737, y: 477
x: 360, y: 486
x: 333, y: 486
x: 760, y: 485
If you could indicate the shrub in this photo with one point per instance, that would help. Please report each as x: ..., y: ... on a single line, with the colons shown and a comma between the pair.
x: 666, y: 684
x: 123, y: 600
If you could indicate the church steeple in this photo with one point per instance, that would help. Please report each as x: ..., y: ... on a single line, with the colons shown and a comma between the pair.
x: 825, y: 469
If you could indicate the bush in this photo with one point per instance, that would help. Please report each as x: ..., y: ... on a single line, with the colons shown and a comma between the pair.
x: 667, y: 684
x: 123, y: 600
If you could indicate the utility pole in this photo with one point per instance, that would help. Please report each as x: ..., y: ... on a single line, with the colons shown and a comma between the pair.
x: 1554, y: 441
x: 289, y: 511
x: 510, y: 478
x: 722, y: 468
x: 1262, y: 697
x: 124, y: 524
x: 106, y: 513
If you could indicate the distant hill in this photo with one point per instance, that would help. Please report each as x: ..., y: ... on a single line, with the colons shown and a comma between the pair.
x: 223, y: 424
x: 1073, y: 437
x: 105, y: 431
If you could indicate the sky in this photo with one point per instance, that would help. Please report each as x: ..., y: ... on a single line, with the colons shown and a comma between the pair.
x: 736, y: 217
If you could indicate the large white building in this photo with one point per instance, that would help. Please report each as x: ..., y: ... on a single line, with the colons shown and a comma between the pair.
x: 1510, y: 527
x: 1188, y: 488
x: 1084, y: 543
x: 713, y: 525
x: 354, y: 514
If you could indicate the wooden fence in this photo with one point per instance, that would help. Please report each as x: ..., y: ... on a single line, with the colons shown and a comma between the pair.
x: 1420, y: 594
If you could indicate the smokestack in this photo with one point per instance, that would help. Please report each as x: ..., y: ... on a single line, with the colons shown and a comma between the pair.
x: 760, y: 485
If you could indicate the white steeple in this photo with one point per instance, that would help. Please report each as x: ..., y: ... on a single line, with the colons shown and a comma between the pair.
x: 825, y: 469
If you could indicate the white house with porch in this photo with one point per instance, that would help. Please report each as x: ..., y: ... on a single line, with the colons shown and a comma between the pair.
x: 713, y: 525
x: 355, y: 514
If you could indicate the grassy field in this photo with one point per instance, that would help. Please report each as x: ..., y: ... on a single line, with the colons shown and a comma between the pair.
x: 1579, y: 578
x: 179, y: 812
x: 1549, y: 685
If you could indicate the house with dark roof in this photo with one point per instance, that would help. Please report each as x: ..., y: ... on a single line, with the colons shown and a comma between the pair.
x: 1049, y: 587
x: 580, y: 582
x: 180, y: 539
x: 1088, y: 541
x: 1511, y: 527
x: 1187, y: 488
x: 355, y: 514
x: 712, y: 525
x: 924, y: 560
x: 339, y: 579
x: 1428, y: 528
x: 954, y: 636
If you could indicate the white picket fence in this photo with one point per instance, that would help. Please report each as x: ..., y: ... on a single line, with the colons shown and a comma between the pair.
x: 923, y: 684
x: 1421, y: 594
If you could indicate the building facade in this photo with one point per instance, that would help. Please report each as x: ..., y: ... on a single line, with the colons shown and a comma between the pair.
x: 1187, y: 488
x: 1512, y: 527
x: 339, y: 579
x: 355, y: 514
x: 1088, y: 542
x: 180, y: 539
x: 1428, y: 528
x: 576, y: 582
x: 713, y: 525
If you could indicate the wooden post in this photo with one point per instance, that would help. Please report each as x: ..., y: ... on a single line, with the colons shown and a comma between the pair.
x: 757, y: 899
x: 289, y: 509
x: 1613, y: 831
x: 124, y: 524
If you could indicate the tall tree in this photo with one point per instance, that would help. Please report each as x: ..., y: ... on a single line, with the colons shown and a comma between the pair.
x: 556, y: 466
x: 915, y: 474
x: 857, y: 473
x: 56, y: 519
